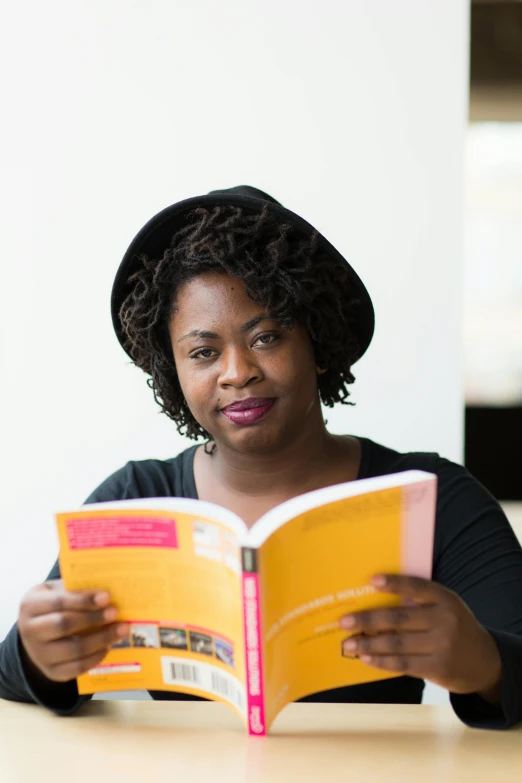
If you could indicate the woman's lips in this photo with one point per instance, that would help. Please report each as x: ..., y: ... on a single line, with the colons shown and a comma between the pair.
x: 249, y: 411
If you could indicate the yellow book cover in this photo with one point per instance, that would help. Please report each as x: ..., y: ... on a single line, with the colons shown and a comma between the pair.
x: 249, y: 617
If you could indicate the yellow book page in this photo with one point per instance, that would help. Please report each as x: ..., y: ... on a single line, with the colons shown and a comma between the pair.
x: 314, y: 569
x: 176, y: 578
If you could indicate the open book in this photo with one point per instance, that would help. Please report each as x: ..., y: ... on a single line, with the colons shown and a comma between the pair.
x: 246, y: 617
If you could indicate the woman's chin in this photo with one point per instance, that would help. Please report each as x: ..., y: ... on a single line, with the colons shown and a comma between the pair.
x: 251, y: 441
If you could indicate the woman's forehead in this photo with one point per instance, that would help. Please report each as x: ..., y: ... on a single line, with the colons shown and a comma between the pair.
x: 209, y: 282
x: 214, y: 296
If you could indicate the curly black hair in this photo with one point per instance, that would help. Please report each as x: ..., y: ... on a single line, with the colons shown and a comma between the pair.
x: 282, y: 269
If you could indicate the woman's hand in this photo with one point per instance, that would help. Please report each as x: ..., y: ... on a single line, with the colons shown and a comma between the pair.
x: 64, y: 634
x: 433, y: 636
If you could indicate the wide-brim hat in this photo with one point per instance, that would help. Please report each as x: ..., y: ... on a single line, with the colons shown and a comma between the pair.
x: 154, y: 238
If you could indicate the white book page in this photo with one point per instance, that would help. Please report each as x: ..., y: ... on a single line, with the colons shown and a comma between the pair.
x: 278, y: 516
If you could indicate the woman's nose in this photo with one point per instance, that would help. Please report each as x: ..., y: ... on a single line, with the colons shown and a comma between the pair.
x: 238, y: 368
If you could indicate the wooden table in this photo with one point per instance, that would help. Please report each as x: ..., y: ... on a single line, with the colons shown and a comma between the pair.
x: 132, y: 741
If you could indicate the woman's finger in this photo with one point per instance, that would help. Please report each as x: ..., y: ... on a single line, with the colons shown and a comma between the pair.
x: 65, y: 672
x: 419, y: 643
x: 395, y: 618
x: 59, y: 625
x: 75, y: 648
x: 421, y: 591
x: 51, y: 597
x: 422, y: 666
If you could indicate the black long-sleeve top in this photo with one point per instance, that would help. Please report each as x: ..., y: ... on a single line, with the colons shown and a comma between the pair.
x: 476, y: 554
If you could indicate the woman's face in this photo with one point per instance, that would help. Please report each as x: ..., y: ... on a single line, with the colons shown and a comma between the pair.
x: 250, y: 384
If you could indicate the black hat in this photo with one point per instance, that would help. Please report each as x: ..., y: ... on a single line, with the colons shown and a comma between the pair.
x: 155, y: 236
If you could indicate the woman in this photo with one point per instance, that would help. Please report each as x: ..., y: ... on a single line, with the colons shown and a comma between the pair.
x: 246, y: 319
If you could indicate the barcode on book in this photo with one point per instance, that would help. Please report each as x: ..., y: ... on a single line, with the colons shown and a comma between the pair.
x: 185, y: 672
x: 228, y: 689
x: 204, y: 677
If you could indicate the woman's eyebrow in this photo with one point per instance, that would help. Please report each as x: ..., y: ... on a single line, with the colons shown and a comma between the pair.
x: 204, y: 335
x: 199, y: 333
x: 253, y: 322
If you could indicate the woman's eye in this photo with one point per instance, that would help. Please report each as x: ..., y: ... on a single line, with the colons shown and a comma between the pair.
x: 266, y: 339
x: 203, y: 353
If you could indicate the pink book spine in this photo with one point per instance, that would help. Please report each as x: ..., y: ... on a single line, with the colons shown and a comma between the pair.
x: 253, y: 648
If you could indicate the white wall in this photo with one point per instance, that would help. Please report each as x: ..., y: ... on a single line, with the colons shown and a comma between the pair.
x: 351, y: 112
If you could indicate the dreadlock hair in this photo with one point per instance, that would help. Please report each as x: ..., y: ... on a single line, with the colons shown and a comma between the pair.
x: 283, y: 270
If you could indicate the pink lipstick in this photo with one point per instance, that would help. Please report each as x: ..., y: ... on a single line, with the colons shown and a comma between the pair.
x: 249, y: 411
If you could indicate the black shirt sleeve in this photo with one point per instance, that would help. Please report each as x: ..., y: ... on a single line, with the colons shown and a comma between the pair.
x: 477, y: 555
x: 16, y: 683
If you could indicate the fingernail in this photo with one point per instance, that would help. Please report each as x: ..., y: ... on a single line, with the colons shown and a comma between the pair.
x: 110, y: 614
x: 350, y: 646
x: 379, y: 580
x: 122, y: 630
x: 101, y: 599
x: 366, y: 658
x: 348, y: 621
